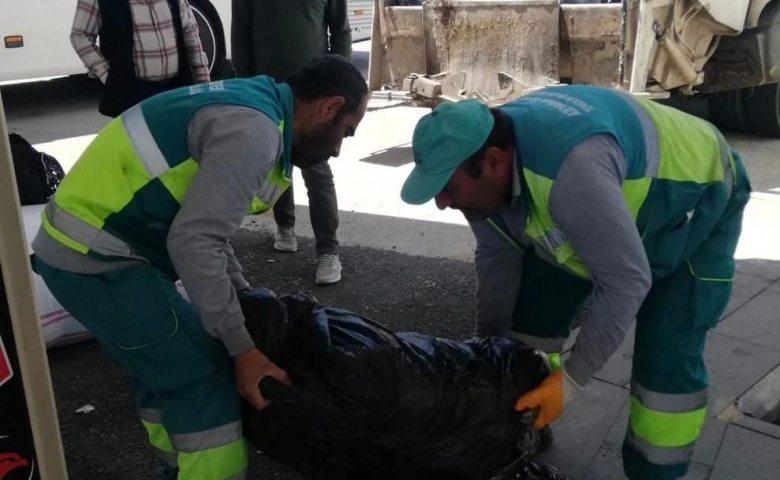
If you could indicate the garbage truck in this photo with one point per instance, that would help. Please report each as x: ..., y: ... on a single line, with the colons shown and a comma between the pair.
x: 726, y: 52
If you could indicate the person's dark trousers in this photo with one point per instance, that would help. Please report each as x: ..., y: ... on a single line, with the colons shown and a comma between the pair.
x: 148, y: 89
x: 323, y: 207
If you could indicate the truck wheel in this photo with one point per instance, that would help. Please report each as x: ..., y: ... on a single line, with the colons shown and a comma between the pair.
x: 727, y: 111
x: 754, y: 110
x: 212, y: 37
x: 762, y: 110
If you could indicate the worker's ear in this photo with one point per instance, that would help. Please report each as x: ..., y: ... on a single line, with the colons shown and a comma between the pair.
x: 495, y: 163
x: 329, y: 107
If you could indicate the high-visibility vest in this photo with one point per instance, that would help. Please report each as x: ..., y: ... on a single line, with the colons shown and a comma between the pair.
x: 676, y: 197
x: 121, y: 196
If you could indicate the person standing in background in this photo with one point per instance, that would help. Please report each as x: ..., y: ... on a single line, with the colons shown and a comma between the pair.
x: 146, y: 47
x: 276, y: 37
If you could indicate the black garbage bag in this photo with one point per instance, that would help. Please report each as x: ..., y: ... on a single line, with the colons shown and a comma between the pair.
x: 368, y: 403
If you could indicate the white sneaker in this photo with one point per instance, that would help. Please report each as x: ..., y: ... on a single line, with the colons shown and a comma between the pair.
x: 328, y: 269
x: 285, y: 240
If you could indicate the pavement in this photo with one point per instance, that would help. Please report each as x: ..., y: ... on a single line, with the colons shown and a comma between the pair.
x: 411, y: 268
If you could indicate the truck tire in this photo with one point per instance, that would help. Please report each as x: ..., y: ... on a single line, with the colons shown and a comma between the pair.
x: 212, y: 37
x: 727, y: 111
x: 753, y: 110
x: 762, y: 110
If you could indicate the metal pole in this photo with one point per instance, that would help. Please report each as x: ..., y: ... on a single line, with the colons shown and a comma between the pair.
x: 28, y: 343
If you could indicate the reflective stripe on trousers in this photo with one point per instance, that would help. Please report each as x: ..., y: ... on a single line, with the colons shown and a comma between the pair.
x: 215, y: 454
x: 663, y: 428
x: 158, y: 436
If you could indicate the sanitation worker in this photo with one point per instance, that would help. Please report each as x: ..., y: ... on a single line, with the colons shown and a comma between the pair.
x: 155, y: 198
x: 586, y: 196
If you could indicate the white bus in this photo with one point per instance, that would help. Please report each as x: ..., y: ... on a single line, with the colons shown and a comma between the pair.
x: 35, y: 35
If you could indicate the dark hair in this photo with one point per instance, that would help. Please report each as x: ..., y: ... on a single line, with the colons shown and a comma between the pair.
x: 500, y: 137
x: 329, y: 76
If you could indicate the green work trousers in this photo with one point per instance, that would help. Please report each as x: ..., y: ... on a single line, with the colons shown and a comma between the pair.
x: 668, y: 401
x: 183, y: 380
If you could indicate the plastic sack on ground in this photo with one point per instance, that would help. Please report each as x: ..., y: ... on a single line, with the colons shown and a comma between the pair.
x: 370, y: 403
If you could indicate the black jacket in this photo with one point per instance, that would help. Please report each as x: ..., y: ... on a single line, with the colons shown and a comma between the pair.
x: 276, y: 37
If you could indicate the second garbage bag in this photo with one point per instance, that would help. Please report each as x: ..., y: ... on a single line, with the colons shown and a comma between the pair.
x: 370, y: 403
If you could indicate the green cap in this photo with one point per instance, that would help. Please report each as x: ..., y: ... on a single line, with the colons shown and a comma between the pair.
x: 442, y: 140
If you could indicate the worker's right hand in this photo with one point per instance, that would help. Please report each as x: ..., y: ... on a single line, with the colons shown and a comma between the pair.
x: 251, y: 367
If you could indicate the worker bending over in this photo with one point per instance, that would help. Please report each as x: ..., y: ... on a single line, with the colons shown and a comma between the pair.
x: 582, y: 193
x: 156, y: 197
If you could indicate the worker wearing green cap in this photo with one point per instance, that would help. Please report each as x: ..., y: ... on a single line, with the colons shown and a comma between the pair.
x: 582, y: 195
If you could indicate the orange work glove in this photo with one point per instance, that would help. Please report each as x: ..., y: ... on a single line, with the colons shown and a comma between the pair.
x: 554, y: 393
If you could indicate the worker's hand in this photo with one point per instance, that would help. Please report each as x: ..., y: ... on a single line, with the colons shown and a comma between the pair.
x: 251, y: 367
x: 551, y: 396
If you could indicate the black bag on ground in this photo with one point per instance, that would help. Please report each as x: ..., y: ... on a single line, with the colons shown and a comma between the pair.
x: 37, y: 174
x: 370, y: 403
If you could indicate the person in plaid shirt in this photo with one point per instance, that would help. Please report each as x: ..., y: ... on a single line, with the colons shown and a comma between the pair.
x: 146, y: 47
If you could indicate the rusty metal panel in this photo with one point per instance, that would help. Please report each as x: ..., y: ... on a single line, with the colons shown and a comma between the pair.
x: 591, y: 43
x: 405, y: 52
x: 397, y: 45
x: 482, y: 38
x: 591, y: 21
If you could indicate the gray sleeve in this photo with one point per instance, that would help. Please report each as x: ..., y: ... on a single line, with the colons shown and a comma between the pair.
x: 235, y: 147
x: 234, y: 269
x: 587, y: 203
x: 499, y: 268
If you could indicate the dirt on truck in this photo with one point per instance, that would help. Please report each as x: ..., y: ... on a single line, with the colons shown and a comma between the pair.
x: 727, y: 51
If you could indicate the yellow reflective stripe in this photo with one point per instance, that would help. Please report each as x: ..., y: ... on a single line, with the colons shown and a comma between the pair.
x: 539, y: 219
x: 566, y: 256
x: 107, y: 170
x: 665, y: 429
x: 635, y: 192
x: 257, y: 206
x: 177, y: 180
x: 555, y: 360
x: 219, y: 463
x: 687, y: 145
x: 542, y: 229
x: 61, y: 237
x: 143, y: 142
x: 158, y: 436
